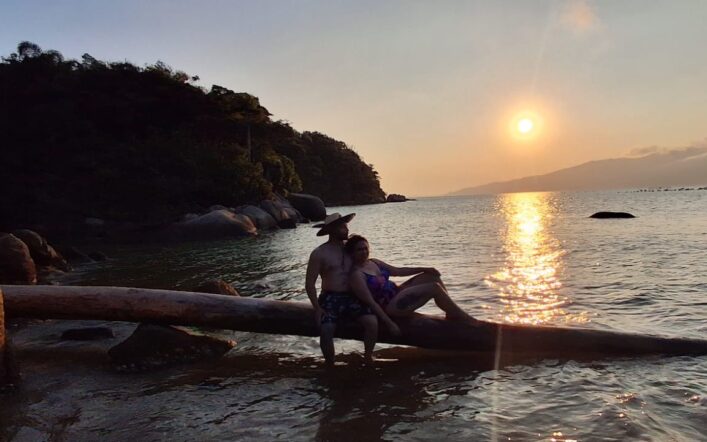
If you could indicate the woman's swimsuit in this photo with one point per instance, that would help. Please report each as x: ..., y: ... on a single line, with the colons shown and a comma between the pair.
x: 381, y: 287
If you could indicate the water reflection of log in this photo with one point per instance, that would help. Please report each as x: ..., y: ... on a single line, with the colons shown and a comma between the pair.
x: 296, y: 318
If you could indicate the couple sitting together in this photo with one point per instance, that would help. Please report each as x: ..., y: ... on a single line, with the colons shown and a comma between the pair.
x: 356, y: 287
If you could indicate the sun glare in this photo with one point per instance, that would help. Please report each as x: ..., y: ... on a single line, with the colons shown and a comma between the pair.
x: 525, y: 125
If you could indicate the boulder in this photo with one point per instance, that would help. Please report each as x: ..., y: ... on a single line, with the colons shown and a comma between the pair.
x: 16, y: 264
x: 395, y: 198
x: 309, y: 206
x: 217, y: 207
x: 605, y: 215
x: 262, y: 219
x: 87, y: 334
x: 153, y: 346
x: 217, y: 287
x: 285, y: 215
x: 216, y: 224
x: 42, y: 253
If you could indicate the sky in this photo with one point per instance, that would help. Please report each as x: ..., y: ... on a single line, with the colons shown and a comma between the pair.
x: 428, y: 92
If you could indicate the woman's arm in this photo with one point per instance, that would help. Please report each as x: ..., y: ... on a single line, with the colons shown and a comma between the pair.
x: 404, y: 271
x: 360, y: 289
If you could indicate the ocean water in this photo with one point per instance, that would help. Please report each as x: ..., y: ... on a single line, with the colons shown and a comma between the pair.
x: 531, y: 258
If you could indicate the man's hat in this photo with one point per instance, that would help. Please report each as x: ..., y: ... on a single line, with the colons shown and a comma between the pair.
x: 331, y: 221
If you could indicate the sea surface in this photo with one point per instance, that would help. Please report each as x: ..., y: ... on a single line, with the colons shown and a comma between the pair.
x: 531, y: 258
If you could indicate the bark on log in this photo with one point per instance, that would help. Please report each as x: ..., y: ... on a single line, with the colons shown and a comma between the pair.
x: 296, y: 318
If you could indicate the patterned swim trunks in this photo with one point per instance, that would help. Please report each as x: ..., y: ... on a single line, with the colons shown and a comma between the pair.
x: 340, y: 306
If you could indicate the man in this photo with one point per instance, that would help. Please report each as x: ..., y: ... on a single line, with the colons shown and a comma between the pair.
x: 336, y: 302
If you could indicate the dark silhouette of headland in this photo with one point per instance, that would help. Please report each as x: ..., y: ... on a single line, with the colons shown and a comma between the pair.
x: 110, y: 140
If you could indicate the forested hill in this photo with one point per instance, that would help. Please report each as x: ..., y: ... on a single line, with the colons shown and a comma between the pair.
x: 113, y: 140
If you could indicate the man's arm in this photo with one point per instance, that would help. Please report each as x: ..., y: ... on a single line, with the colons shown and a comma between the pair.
x: 313, y: 269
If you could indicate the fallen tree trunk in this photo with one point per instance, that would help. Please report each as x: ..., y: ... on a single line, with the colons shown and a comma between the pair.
x: 296, y: 318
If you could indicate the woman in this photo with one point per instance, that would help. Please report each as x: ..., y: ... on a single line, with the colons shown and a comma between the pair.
x: 370, y: 281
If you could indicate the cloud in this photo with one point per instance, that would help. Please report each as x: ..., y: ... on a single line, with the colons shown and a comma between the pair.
x: 579, y: 17
x: 696, y: 149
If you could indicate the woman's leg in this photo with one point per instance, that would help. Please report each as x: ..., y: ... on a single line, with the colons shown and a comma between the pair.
x: 422, y: 278
x: 413, y: 297
x: 370, y: 335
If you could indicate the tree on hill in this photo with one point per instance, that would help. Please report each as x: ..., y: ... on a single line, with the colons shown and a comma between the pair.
x: 118, y: 141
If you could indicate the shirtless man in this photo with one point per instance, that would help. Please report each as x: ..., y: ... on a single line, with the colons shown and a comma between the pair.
x: 336, y: 302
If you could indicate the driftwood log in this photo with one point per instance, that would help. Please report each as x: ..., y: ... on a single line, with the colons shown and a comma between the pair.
x: 297, y: 318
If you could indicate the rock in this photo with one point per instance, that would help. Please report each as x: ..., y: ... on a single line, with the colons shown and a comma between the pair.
x: 72, y: 254
x: 97, y: 256
x: 16, y: 264
x: 286, y: 217
x: 216, y: 224
x: 154, y: 346
x: 309, y: 206
x: 605, y: 215
x: 42, y: 253
x: 87, y: 334
x: 189, y: 217
x: 262, y: 219
x: 217, y: 207
x: 395, y: 198
x: 217, y: 287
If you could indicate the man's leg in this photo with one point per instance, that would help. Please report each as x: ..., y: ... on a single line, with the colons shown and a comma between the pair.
x: 326, y: 342
x: 370, y: 335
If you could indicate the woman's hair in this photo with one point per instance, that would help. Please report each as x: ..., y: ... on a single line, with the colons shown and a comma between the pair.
x: 351, y: 243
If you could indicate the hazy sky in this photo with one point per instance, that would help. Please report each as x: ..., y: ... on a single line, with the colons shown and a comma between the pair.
x: 425, y: 91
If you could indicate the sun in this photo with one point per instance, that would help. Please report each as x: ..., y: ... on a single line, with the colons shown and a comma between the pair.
x: 525, y: 125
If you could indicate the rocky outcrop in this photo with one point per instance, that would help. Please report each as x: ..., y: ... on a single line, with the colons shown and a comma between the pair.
x: 309, y: 206
x: 606, y: 215
x: 155, y: 346
x: 262, y: 219
x: 395, y: 198
x: 43, y: 254
x: 16, y: 264
x: 215, y: 224
x: 217, y: 287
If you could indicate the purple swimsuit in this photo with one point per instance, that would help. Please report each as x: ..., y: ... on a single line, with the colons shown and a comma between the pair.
x: 381, y: 287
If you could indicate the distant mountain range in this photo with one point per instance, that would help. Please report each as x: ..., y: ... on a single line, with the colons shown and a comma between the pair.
x: 679, y: 167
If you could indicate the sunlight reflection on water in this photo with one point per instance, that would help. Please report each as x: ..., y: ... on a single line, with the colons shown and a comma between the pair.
x: 528, y: 284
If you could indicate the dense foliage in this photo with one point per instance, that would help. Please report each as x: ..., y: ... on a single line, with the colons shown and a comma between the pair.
x: 117, y: 141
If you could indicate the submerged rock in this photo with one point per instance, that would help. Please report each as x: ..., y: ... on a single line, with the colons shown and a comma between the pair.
x: 98, y: 256
x: 155, y: 346
x: 16, y: 263
x: 217, y: 287
x: 605, y: 215
x: 87, y: 334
